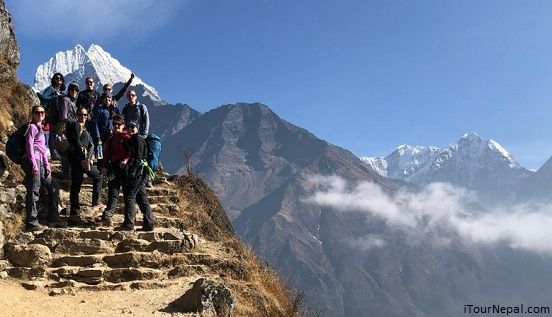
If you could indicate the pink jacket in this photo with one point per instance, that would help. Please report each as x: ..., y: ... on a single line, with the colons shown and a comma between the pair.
x: 36, y: 147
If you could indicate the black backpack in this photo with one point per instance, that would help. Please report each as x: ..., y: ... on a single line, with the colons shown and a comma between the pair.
x: 16, y: 147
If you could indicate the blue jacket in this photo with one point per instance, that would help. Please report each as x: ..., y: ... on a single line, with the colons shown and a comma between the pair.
x: 102, y: 123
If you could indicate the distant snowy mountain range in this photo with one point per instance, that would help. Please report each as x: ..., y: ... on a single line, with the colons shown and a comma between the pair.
x: 77, y: 64
x: 473, y: 162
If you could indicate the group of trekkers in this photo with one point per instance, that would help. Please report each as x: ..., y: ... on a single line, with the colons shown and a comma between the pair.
x: 89, y: 135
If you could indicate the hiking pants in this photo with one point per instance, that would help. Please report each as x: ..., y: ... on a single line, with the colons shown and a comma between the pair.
x: 77, y: 174
x: 113, y: 187
x: 32, y: 184
x: 53, y: 152
x: 134, y: 192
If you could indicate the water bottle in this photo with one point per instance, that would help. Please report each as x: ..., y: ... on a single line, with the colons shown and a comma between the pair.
x: 99, y: 152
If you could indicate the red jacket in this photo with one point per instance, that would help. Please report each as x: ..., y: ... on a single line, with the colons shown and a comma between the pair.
x: 117, y: 149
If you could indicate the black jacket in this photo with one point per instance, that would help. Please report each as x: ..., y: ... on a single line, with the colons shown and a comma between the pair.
x: 138, y: 153
x: 80, y: 141
x: 88, y: 99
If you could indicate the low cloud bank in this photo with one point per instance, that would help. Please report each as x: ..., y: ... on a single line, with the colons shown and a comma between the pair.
x: 438, y: 208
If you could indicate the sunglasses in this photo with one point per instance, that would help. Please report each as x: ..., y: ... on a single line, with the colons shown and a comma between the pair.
x: 58, y: 78
x: 89, y: 82
x: 118, y: 124
x: 39, y: 112
x: 83, y: 114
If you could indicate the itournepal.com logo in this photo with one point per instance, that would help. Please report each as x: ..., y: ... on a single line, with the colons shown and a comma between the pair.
x: 506, y: 310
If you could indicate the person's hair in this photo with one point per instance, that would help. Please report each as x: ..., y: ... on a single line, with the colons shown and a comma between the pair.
x: 118, y: 118
x: 81, y: 109
x: 105, y: 86
x: 89, y: 77
x: 36, y: 107
x: 53, y: 81
x: 130, y: 91
x: 73, y: 86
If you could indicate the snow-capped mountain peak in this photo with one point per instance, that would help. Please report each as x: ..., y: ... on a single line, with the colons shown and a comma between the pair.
x: 77, y: 64
x: 473, y: 162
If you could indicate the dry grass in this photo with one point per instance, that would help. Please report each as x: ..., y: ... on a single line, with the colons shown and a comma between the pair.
x: 259, y: 289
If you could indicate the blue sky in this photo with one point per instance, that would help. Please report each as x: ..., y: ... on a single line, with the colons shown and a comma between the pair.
x: 365, y: 75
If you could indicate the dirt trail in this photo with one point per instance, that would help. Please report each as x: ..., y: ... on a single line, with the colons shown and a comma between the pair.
x: 16, y: 301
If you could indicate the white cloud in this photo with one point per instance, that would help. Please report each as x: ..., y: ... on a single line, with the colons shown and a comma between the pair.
x: 92, y: 19
x: 368, y: 242
x: 440, y: 209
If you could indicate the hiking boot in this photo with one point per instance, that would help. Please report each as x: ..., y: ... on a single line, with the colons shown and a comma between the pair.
x: 107, y: 222
x: 57, y: 224
x: 124, y: 227
x: 74, y: 221
x: 146, y: 228
x: 31, y: 228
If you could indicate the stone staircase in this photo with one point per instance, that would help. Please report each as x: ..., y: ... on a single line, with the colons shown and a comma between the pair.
x: 96, y: 258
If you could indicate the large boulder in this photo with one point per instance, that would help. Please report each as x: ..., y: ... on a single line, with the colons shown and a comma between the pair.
x: 33, y: 255
x: 207, y: 297
x: 9, y: 49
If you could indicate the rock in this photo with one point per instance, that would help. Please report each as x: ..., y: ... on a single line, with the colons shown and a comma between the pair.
x: 3, y: 275
x: 62, y: 291
x: 167, y: 247
x: 53, y: 236
x: 25, y: 272
x: 148, y: 285
x: 90, y: 280
x: 122, y: 235
x: 207, y: 297
x: 77, y: 260
x: 86, y: 246
x: 134, y: 259
x: 8, y: 44
x: 33, y: 255
x: 131, y: 274
x: 1, y: 239
x: 4, y: 265
x: 62, y: 284
x: 91, y: 273
x: 185, y: 271
x: 105, y: 287
x: 31, y: 286
x: 96, y: 234
x: 190, y: 241
x: 23, y: 238
x: 132, y: 245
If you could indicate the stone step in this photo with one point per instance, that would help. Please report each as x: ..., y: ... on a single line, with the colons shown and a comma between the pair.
x: 83, y: 246
x: 161, y: 191
x: 72, y: 287
x: 97, y: 275
x: 77, y: 260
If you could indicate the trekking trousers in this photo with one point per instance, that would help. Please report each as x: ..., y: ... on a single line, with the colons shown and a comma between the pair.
x: 33, y: 184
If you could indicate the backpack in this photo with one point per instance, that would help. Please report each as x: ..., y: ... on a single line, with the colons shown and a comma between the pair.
x: 154, y: 150
x: 52, y: 110
x: 16, y: 147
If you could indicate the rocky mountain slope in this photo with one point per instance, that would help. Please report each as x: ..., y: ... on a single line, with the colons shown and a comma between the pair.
x: 473, y: 162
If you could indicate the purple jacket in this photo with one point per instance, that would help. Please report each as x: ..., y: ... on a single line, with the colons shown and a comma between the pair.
x: 36, y: 147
